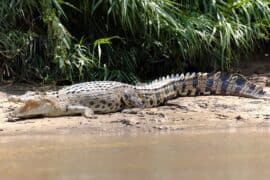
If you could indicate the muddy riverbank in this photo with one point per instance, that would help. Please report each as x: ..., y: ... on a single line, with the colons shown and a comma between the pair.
x: 184, y: 114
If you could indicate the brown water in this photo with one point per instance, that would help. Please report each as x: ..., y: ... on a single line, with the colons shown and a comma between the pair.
x: 183, y: 156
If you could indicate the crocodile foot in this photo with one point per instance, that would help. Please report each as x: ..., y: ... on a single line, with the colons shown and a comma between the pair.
x: 89, y: 113
x: 131, y: 111
x: 12, y: 117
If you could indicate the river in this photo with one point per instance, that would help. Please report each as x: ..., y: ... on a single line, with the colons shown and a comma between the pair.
x: 221, y: 156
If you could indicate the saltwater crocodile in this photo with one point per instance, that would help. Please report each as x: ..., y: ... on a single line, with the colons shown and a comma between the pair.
x: 109, y: 96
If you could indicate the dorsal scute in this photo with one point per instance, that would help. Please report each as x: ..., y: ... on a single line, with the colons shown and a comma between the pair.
x: 192, y: 76
x: 187, y: 76
x: 182, y: 76
x: 161, y: 82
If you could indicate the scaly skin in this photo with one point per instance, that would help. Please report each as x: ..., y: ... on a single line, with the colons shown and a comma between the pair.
x: 108, y: 96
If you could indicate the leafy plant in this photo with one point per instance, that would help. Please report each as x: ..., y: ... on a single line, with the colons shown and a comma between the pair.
x: 126, y: 40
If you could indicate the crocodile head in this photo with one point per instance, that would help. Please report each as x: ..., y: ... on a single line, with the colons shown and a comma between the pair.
x: 35, y: 108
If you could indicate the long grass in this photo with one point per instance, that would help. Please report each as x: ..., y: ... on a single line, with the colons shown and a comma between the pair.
x: 126, y: 40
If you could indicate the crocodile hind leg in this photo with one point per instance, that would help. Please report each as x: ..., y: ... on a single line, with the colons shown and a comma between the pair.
x: 83, y: 110
x: 131, y: 99
x: 132, y: 102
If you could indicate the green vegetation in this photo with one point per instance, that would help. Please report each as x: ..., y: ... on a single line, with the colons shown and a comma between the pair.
x: 45, y: 40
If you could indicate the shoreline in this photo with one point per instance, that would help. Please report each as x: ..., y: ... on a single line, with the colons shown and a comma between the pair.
x: 182, y: 115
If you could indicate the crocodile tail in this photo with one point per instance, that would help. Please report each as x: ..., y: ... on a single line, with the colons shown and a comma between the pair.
x: 220, y: 84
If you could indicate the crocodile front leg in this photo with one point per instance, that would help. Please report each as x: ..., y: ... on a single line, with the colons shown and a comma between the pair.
x: 132, y: 102
x: 83, y: 110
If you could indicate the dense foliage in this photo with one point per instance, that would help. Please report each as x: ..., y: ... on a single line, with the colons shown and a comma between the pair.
x: 44, y: 40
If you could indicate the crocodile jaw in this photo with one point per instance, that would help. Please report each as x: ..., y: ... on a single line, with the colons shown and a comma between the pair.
x: 33, y: 108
